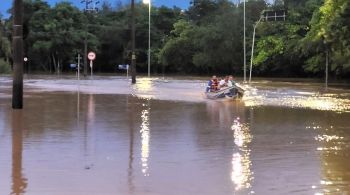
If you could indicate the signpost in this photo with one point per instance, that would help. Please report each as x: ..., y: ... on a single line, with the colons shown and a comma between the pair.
x: 79, y: 58
x: 91, y: 57
x: 25, y: 59
x: 124, y: 67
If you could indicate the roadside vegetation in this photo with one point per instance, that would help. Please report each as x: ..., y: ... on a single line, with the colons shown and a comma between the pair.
x: 205, y: 39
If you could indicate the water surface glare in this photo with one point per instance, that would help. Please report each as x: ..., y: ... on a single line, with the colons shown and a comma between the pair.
x: 96, y: 141
x: 283, y: 94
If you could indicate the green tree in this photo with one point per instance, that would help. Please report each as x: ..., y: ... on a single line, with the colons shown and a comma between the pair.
x: 278, y: 50
x: 5, y: 48
x: 56, y: 35
x: 5, y: 45
x: 219, y: 42
x: 179, y: 49
x: 329, y: 32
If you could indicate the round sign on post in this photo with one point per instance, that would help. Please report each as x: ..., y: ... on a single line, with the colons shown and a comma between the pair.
x: 91, y: 55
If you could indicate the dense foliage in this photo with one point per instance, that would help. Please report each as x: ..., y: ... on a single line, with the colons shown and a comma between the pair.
x: 205, y: 39
x: 5, y: 49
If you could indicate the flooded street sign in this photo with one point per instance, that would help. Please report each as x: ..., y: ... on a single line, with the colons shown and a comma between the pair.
x: 124, y: 67
x: 91, y: 57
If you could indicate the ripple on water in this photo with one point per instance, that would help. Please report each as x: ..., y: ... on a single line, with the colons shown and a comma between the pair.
x: 297, y: 99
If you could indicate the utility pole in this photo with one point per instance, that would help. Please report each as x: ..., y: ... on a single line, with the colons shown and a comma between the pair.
x: 17, y: 44
x: 133, y: 55
x: 149, y: 37
x: 90, y: 6
x: 244, y: 45
x: 149, y: 2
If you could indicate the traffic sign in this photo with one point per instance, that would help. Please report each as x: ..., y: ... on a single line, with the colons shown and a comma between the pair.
x: 91, y: 55
x: 123, y: 66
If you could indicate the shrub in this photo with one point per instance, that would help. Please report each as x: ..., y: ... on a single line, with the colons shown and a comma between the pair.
x: 4, y: 67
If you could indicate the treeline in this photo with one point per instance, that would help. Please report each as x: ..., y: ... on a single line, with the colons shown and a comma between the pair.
x: 207, y: 38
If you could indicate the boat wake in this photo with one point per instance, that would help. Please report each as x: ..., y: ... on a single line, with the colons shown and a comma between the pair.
x: 338, y: 101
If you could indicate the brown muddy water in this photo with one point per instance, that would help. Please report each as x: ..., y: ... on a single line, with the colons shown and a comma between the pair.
x: 105, y: 136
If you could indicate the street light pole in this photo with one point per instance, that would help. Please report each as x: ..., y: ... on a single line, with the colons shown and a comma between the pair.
x: 90, y: 6
x: 133, y: 55
x: 149, y: 38
x: 87, y: 2
x: 252, y: 55
x: 17, y: 44
x: 149, y: 2
x: 244, y: 44
x: 266, y: 15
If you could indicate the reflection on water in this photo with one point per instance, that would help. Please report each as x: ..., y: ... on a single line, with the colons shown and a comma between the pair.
x: 144, y: 88
x: 145, y: 137
x: 19, y: 182
x: 91, y: 109
x: 334, y: 149
x: 241, y: 164
x: 130, y: 111
x: 89, y: 131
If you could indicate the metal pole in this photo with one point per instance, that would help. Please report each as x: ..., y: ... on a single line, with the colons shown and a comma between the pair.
x: 91, y: 67
x: 85, y: 54
x: 133, y: 55
x: 252, y: 56
x: 149, y: 38
x: 244, y: 44
x: 79, y: 67
x: 327, y: 64
x: 87, y: 2
x: 17, y: 44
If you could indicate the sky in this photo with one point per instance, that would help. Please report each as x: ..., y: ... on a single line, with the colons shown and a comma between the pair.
x: 6, y: 4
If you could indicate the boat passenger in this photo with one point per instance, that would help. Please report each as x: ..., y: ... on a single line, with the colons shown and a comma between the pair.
x: 231, y: 82
x: 215, y: 86
x: 224, y: 82
x: 212, y: 84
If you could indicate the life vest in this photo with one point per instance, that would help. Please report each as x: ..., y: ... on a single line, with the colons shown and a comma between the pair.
x: 214, y: 85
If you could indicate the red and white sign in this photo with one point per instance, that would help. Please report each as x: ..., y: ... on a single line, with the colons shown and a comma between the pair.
x: 91, y: 55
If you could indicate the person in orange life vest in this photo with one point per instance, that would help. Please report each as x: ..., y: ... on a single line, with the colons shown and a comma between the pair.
x: 213, y: 84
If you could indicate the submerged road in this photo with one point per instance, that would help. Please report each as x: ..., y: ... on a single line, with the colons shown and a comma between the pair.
x: 105, y: 136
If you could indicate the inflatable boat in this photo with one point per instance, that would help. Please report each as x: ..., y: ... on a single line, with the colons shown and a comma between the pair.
x: 234, y: 92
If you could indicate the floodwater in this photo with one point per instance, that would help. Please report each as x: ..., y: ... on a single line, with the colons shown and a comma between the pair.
x: 104, y: 136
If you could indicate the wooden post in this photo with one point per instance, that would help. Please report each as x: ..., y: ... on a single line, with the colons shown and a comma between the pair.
x: 17, y: 44
x: 133, y: 55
